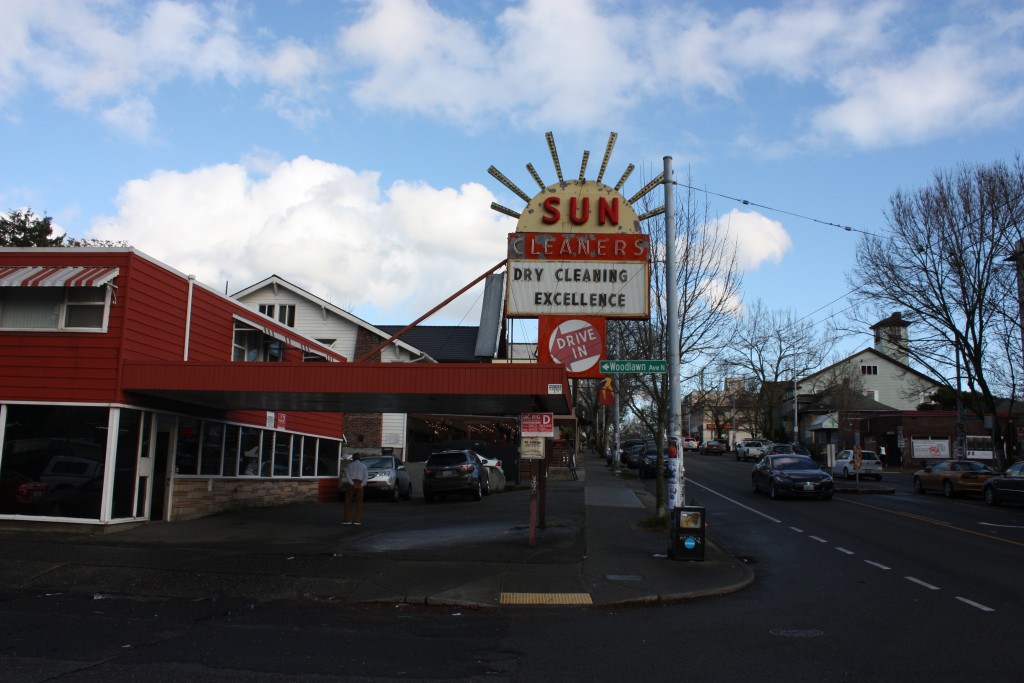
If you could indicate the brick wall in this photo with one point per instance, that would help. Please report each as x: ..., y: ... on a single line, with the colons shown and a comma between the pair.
x: 194, y: 498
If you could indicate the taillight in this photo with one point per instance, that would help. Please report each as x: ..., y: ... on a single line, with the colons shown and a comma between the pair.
x: 465, y: 468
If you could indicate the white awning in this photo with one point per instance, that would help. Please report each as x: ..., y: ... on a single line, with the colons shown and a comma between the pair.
x: 56, y: 276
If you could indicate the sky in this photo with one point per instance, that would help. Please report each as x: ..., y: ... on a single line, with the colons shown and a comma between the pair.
x: 344, y: 144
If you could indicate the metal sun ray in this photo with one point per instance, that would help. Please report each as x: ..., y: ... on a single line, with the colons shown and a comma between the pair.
x: 612, y: 138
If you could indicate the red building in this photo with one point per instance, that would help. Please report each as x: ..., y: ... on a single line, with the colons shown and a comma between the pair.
x: 130, y: 392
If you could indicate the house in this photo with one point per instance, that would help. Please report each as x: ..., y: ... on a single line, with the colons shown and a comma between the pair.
x: 129, y: 392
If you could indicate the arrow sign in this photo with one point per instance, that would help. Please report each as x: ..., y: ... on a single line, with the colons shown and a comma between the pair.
x: 630, y: 366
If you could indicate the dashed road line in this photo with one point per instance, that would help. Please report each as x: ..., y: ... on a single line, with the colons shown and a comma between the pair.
x: 983, y: 608
x: 845, y: 551
x: 921, y: 583
x: 876, y: 564
x: 819, y: 539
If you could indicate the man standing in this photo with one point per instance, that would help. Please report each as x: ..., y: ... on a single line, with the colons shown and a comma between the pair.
x: 355, y: 477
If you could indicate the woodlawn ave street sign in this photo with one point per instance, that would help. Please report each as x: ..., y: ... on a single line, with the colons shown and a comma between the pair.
x: 622, y: 366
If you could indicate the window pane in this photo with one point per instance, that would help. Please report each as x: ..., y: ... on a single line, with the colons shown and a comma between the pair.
x: 327, y: 458
x: 213, y: 438
x: 267, y: 454
x: 230, y: 450
x: 89, y: 315
x: 91, y: 295
x: 126, y: 463
x: 187, y: 453
x: 31, y: 308
x: 249, y: 464
x: 45, y: 474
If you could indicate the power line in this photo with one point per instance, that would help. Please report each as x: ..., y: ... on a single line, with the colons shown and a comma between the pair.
x: 747, y: 202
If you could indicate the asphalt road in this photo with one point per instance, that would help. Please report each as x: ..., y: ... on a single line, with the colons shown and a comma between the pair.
x: 896, y: 587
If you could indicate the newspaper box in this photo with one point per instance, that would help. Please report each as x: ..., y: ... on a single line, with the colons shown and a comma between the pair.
x: 688, y: 532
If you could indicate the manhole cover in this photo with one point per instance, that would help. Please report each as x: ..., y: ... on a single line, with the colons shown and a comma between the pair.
x: 797, y: 632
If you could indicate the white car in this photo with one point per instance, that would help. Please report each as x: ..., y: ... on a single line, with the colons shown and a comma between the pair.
x: 495, y: 475
x: 844, y: 466
x: 752, y: 449
x: 689, y: 444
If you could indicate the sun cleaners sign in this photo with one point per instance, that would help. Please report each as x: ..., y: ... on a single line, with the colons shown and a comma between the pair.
x: 610, y: 290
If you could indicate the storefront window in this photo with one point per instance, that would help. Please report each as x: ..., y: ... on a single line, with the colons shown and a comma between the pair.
x: 53, y: 461
x: 327, y: 458
x: 249, y: 463
x: 186, y: 460
x: 126, y: 463
x: 231, y: 450
x: 213, y: 448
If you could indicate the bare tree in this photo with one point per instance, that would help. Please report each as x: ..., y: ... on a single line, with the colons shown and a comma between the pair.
x: 943, y: 261
x: 708, y: 282
x: 771, y: 349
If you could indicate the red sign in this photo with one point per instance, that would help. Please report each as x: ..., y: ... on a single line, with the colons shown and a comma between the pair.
x: 537, y: 424
x: 575, y: 342
x: 560, y: 246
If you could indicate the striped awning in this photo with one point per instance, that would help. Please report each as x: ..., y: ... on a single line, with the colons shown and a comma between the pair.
x: 56, y: 276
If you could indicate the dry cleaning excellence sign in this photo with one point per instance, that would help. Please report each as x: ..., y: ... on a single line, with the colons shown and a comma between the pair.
x: 602, y: 288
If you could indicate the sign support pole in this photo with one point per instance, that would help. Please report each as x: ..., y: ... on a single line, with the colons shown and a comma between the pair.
x: 672, y: 289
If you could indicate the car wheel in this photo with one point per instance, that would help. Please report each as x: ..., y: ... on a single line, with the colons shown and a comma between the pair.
x: 408, y: 492
x: 947, y: 489
x: 754, y: 486
x: 773, y: 492
x: 990, y: 495
x: 918, y: 486
x: 478, y: 493
x: 846, y: 473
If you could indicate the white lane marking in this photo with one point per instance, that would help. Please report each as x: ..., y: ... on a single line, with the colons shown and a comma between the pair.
x: 1001, y: 526
x: 798, y: 530
x: 921, y: 583
x: 844, y: 550
x: 876, y: 564
x: 983, y: 608
x: 818, y: 539
x: 736, y: 502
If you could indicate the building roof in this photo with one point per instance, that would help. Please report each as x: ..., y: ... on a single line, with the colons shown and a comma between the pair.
x: 903, y: 366
x: 444, y: 343
x: 278, y: 281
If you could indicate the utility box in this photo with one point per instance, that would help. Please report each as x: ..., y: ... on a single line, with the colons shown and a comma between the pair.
x: 689, y: 526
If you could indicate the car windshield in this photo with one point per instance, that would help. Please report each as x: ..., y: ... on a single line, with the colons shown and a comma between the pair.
x: 970, y: 467
x: 380, y: 463
x: 443, y: 459
x: 794, y: 462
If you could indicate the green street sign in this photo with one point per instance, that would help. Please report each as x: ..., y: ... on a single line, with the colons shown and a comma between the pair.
x: 622, y: 366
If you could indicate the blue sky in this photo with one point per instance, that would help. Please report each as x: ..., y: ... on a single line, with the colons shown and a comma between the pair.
x: 344, y: 144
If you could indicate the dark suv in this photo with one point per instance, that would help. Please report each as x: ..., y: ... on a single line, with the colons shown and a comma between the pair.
x: 456, y: 471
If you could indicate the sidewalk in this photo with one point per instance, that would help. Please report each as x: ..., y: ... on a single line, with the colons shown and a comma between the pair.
x: 592, y: 550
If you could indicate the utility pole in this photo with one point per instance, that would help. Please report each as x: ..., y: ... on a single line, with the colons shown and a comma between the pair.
x: 674, y: 436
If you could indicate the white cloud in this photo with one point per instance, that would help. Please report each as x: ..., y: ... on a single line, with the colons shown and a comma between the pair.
x: 325, y: 227
x: 104, y: 54
x: 758, y: 239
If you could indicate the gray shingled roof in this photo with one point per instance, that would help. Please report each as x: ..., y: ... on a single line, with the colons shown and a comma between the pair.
x: 444, y: 343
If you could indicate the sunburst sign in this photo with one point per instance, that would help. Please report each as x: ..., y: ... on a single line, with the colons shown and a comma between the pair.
x: 578, y: 249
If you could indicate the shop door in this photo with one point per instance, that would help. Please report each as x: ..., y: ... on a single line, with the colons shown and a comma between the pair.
x: 162, y: 455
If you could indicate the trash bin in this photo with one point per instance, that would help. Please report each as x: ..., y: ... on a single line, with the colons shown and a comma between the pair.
x: 688, y: 533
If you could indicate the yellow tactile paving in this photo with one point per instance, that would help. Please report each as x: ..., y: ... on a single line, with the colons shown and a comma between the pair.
x: 546, y: 599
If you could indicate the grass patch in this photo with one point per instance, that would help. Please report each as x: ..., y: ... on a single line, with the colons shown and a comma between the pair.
x: 656, y: 523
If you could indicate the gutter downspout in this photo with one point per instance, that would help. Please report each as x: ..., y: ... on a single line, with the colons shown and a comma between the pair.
x: 188, y: 316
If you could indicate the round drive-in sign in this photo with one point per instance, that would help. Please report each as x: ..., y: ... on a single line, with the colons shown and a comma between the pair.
x: 576, y: 344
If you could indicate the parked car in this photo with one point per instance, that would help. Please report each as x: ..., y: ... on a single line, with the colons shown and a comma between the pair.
x: 844, y: 465
x: 1007, y: 487
x: 386, y: 475
x: 495, y: 475
x: 689, y: 443
x: 454, y: 471
x: 953, y: 477
x: 751, y: 449
x: 633, y: 456
x: 800, y: 449
x: 714, y: 447
x: 780, y: 449
x: 791, y: 475
x: 649, y: 463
